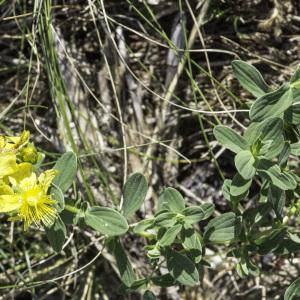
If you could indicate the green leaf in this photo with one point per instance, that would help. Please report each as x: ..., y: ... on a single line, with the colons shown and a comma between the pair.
x: 106, y: 220
x: 270, y: 241
x: 208, y: 209
x: 295, y: 149
x: 250, y: 78
x: 165, y: 219
x: 191, y: 239
x: 56, y: 234
x: 272, y: 104
x: 143, y: 225
x: 273, y: 149
x: 194, y: 214
x: 296, y: 75
x: 181, y: 268
x: 148, y: 295
x: 234, y: 200
x: 127, y: 274
x: 165, y: 280
x: 294, y: 237
x: 272, y: 130
x: 172, y: 200
x: 223, y: 228
x: 296, y: 96
x: 241, y: 269
x: 273, y: 173
x: 287, y: 247
x: 239, y: 185
x: 269, y: 133
x: 135, y: 191
x: 192, y: 243
x: 260, y: 213
x: 245, y: 267
x: 230, y: 139
x: 137, y: 285
x: 284, y: 155
x: 244, y: 162
x: 67, y: 168
x: 293, y: 290
x: 292, y: 115
x: 170, y: 235
x: 58, y: 196
x: 276, y: 196
x: 226, y: 189
x: 252, y: 132
x: 154, y: 253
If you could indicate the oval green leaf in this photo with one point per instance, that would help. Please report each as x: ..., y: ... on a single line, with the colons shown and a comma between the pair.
x: 230, y: 139
x: 272, y: 104
x: 273, y: 173
x: 67, y: 168
x: 170, y: 235
x: 135, y: 191
x: 276, y: 197
x: 172, y: 200
x: 57, y: 194
x: 224, y: 228
x: 56, y: 234
x: 244, y: 162
x: 194, y: 214
x: 293, y: 290
x: 239, y: 186
x: 250, y: 78
x: 181, y: 268
x: 192, y: 242
x: 127, y: 274
x: 143, y: 225
x: 106, y: 220
x: 165, y: 219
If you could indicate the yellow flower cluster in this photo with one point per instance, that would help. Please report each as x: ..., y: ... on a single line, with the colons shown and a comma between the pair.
x: 22, y: 193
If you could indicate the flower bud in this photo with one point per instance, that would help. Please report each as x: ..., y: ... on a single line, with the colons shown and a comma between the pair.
x: 29, y: 154
x: 24, y: 137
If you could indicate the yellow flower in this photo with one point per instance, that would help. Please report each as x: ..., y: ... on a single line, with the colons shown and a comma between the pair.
x: 28, y: 198
x: 9, y: 146
x: 9, y: 151
x: 13, y: 143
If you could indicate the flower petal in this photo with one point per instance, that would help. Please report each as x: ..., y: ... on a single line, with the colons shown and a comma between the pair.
x: 23, y: 170
x: 2, y: 142
x: 46, y: 178
x: 20, y: 140
x: 8, y: 164
x: 9, y: 203
x: 28, y: 183
x: 5, y: 189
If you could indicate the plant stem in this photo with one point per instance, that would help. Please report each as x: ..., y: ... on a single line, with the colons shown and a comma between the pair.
x: 72, y: 209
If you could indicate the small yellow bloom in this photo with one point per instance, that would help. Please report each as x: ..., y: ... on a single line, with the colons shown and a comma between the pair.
x: 13, y: 143
x: 28, y: 198
x: 9, y: 149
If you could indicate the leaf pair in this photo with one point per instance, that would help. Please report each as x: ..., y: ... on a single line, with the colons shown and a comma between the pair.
x: 109, y: 221
x: 269, y: 103
x: 173, y: 210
